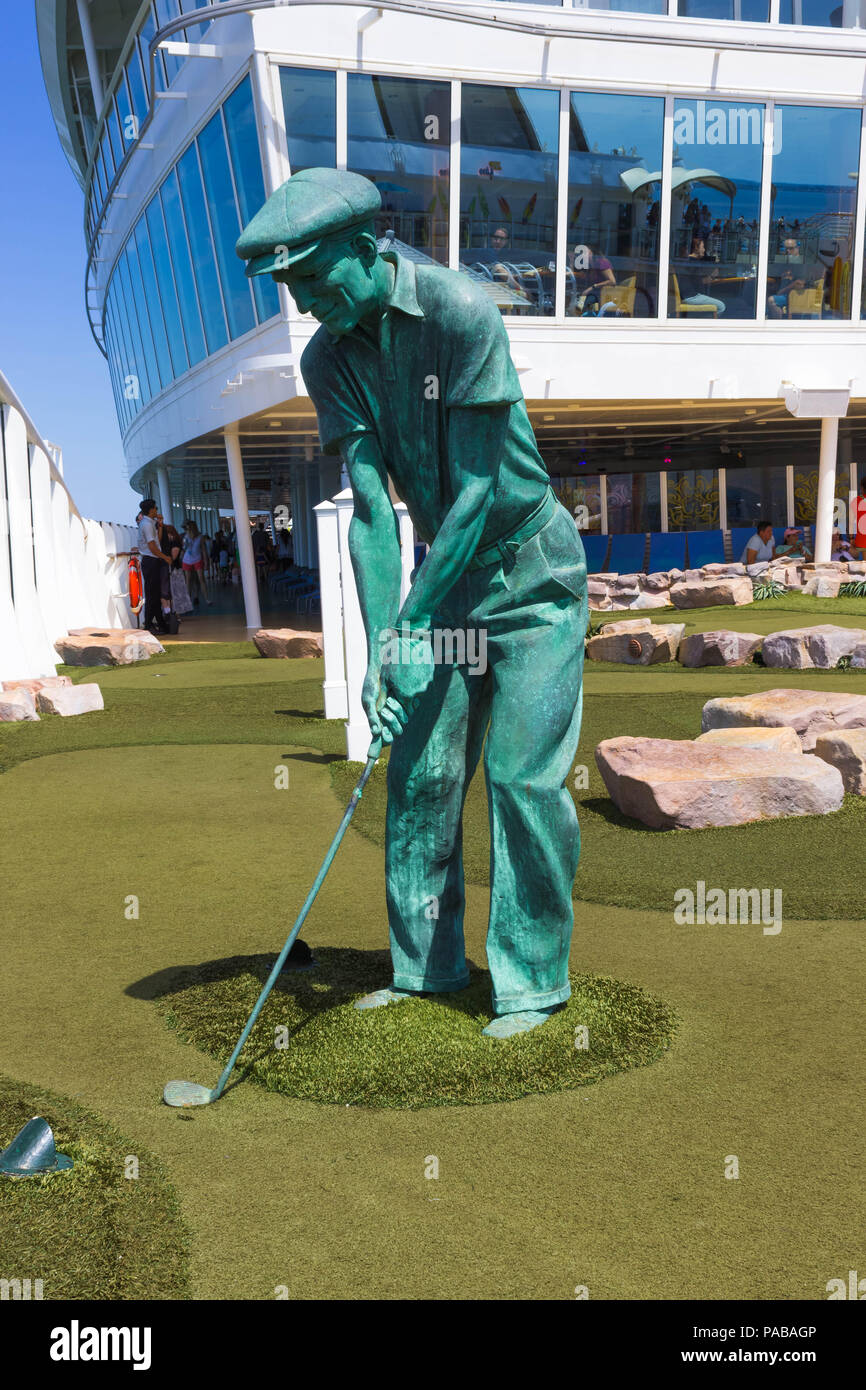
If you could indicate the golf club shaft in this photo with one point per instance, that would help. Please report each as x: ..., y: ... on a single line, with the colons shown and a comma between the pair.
x: 373, y: 754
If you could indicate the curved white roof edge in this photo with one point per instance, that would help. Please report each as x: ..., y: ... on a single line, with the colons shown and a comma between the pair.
x: 51, y: 34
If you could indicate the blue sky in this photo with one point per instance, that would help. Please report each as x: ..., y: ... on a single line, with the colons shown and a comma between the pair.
x: 46, y: 349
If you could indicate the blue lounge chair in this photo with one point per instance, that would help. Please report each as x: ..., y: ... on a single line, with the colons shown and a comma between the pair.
x: 626, y: 554
x: 667, y: 551
x: 706, y: 548
x: 595, y: 549
x: 739, y: 536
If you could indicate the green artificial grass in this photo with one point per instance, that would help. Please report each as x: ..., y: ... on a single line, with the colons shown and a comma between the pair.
x: 623, y: 862
x: 311, y: 1043
x: 91, y: 1232
x: 768, y: 615
x: 618, y: 1186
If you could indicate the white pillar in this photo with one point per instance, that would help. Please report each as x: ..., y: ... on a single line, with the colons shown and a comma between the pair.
x: 358, y: 734
x: 334, y: 687
x: 164, y: 493
x: 407, y: 548
x: 242, y: 527
x: 826, y: 488
x: 90, y: 56
x: 41, y: 656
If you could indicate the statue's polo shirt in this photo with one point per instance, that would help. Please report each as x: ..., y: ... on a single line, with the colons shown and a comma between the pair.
x: 442, y: 347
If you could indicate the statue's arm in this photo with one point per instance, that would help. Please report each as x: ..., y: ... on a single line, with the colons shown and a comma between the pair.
x: 476, y: 438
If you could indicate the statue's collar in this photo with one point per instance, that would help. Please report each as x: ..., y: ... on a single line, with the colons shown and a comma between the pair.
x: 403, y: 295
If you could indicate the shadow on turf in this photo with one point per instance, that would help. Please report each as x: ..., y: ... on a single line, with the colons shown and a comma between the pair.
x: 344, y: 975
x: 604, y: 807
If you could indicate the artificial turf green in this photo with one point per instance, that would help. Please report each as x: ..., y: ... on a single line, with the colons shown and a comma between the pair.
x: 90, y: 1232
x: 311, y: 1043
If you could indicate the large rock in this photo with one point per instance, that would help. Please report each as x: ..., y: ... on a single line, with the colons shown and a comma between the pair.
x: 847, y: 752
x: 285, y: 641
x: 823, y: 585
x: 771, y: 740
x: 669, y: 784
x: 17, y: 705
x: 734, y: 590
x: 803, y: 648
x: 808, y: 712
x: 37, y: 683
x: 721, y: 648
x: 711, y: 570
x: 649, y: 599
x: 106, y: 646
x: 638, y: 643
x: 70, y: 699
x: 858, y: 657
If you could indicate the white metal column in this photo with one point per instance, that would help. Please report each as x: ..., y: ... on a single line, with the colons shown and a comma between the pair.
x: 334, y: 686
x: 242, y: 528
x: 826, y: 488
x: 357, y: 728
x: 165, y: 494
x: 90, y: 56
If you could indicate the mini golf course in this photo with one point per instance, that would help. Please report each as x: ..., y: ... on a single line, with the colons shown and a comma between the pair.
x: 151, y: 871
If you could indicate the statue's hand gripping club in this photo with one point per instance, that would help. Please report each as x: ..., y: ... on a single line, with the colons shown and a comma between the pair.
x: 391, y: 692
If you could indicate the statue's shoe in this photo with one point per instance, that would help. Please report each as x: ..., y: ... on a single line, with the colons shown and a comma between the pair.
x: 380, y: 997
x: 508, y: 1024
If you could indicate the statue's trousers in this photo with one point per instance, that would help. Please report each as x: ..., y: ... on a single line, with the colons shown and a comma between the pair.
x: 527, y: 616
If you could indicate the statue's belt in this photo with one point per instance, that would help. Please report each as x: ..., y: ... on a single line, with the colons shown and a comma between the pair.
x: 504, y: 551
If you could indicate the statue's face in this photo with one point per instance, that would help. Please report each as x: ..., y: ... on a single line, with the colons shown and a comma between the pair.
x: 336, y: 284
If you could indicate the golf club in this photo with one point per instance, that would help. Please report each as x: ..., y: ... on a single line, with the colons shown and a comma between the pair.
x: 186, y: 1093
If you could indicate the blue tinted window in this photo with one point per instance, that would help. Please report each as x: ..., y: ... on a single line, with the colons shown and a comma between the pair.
x: 824, y: 14
x: 399, y: 137
x: 114, y: 135
x: 124, y: 112
x: 310, y: 110
x: 106, y: 155
x: 508, y: 192
x: 136, y: 85
x: 151, y: 303
x: 183, y: 273
x: 145, y: 38
x: 195, y: 31
x: 166, y: 10
x: 226, y: 227
x: 115, y: 369
x: 749, y: 11
x: 165, y: 280
x: 247, y: 166
x: 143, y: 363
x: 201, y: 248
x: 816, y: 151
x: 614, y: 203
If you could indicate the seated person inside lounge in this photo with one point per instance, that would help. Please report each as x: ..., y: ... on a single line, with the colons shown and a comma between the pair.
x: 793, y: 546
x: 760, y: 547
x: 842, y: 549
x: 693, y: 281
x: 592, y: 273
x: 787, y: 280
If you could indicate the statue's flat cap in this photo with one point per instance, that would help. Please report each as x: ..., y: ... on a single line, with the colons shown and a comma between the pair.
x: 309, y: 207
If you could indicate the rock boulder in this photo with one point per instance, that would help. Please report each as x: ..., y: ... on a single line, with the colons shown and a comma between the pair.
x: 639, y: 642
x: 285, y: 641
x: 721, y: 648
x: 105, y: 646
x: 808, y: 712
x: 734, y: 590
x: 847, y: 752
x: 771, y: 740
x: 669, y: 784
x: 802, y: 648
x: 17, y: 705
x: 70, y: 699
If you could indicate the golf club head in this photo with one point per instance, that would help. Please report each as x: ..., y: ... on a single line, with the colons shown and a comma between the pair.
x: 186, y: 1093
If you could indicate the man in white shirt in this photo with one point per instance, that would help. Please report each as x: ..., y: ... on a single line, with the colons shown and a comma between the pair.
x: 760, y: 547
x: 152, y: 560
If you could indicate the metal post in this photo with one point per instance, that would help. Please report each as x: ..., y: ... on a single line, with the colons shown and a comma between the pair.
x: 334, y: 687
x: 90, y: 56
x: 164, y: 493
x: 826, y: 488
x: 242, y: 527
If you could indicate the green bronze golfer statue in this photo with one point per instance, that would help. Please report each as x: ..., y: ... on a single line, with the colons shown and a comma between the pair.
x: 411, y: 376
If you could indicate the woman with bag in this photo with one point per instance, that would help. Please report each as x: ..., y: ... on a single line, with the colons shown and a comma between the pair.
x: 193, y: 563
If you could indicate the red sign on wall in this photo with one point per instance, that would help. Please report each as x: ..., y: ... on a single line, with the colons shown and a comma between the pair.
x: 860, y: 515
